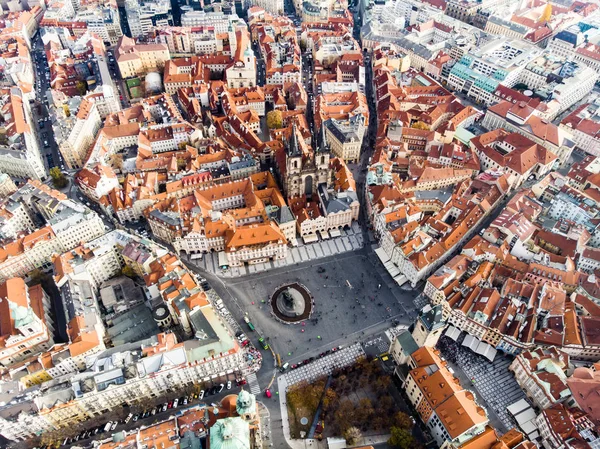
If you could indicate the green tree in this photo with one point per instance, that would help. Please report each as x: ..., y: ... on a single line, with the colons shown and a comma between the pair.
x: 352, y: 436
x: 37, y: 276
x: 291, y: 102
x: 420, y: 125
x: 400, y: 438
x: 58, y: 178
x: 116, y: 161
x: 383, y: 383
x: 128, y: 271
x: 365, y: 409
x: 345, y: 415
x: 329, y: 399
x: 274, y: 119
x: 403, y: 421
x: 81, y: 87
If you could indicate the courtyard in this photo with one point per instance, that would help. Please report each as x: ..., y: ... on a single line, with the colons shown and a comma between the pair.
x: 354, y: 297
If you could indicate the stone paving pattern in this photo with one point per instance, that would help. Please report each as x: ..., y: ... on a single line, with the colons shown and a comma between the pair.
x: 493, y: 381
x: 326, y: 365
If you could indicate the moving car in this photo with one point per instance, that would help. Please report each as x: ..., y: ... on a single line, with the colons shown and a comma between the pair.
x: 229, y: 385
x: 268, y: 393
x: 263, y: 343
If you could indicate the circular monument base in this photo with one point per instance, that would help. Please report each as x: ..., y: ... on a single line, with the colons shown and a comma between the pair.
x: 292, y: 303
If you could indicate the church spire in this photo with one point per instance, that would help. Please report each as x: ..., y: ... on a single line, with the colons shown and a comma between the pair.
x: 322, y: 145
x: 293, y: 148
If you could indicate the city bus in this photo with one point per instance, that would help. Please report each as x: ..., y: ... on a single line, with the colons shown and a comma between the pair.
x: 250, y: 325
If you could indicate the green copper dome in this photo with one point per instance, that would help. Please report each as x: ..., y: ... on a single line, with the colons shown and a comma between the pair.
x: 230, y: 433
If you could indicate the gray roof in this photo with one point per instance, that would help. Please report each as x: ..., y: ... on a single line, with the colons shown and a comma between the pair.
x: 240, y: 165
x: 339, y: 134
x: 204, y: 330
x: 431, y: 317
x: 332, y: 202
x: 167, y: 218
x: 134, y: 325
x: 407, y: 342
x: 280, y: 214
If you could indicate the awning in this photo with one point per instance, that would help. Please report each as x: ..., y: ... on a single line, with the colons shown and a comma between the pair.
x: 391, y: 268
x: 525, y: 416
x: 452, y: 333
x: 324, y: 234
x: 335, y: 232
x: 470, y: 342
x: 400, y: 280
x: 486, y: 350
x: 382, y: 255
x: 310, y: 238
x: 223, y: 261
x: 517, y: 407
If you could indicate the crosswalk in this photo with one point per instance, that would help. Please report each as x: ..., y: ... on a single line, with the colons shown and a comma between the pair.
x: 253, y: 383
x: 381, y: 343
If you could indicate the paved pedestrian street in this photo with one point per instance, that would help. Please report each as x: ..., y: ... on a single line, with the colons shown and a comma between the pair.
x: 325, y: 365
x: 492, y: 380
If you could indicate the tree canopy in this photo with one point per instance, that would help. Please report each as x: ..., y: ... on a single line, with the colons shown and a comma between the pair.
x: 58, y: 178
x: 400, y: 438
x: 274, y: 119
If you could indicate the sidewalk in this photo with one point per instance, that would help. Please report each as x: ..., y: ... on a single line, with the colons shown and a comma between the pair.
x: 350, y: 240
x: 294, y: 444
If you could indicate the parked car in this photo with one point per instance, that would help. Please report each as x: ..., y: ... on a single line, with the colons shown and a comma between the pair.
x: 201, y: 395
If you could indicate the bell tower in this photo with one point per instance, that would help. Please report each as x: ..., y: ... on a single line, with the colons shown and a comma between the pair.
x: 429, y: 326
x: 322, y: 157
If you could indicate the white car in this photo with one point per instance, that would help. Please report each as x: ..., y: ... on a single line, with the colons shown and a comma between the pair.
x: 201, y: 395
x: 229, y: 385
x: 175, y: 403
x: 114, y: 425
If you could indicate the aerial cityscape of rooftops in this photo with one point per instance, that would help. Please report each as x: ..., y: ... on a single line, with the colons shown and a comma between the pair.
x: 300, y: 224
